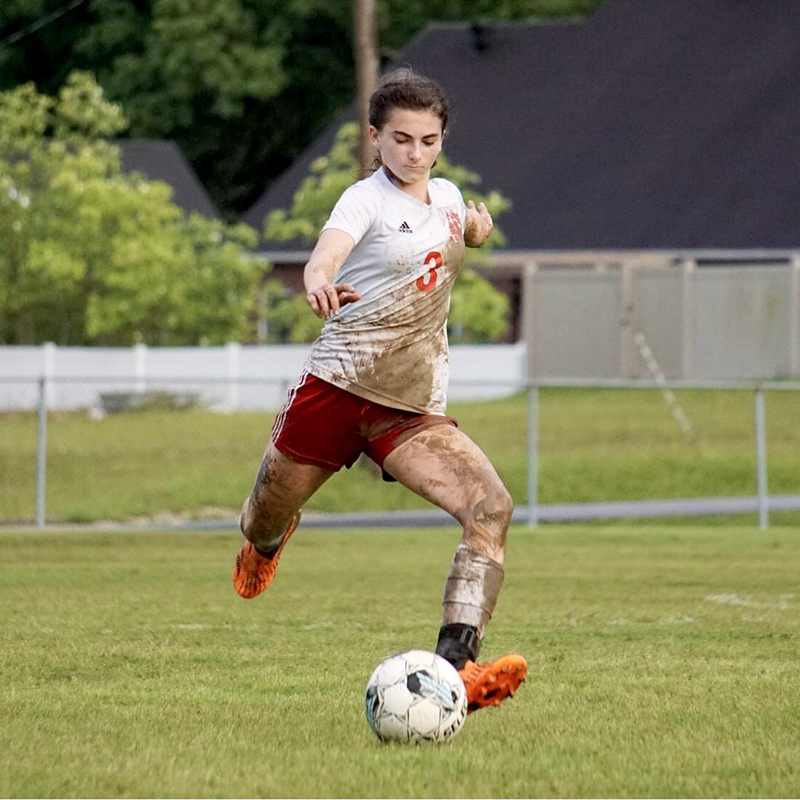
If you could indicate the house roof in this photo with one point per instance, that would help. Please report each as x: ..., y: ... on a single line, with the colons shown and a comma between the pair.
x: 162, y: 160
x: 652, y: 124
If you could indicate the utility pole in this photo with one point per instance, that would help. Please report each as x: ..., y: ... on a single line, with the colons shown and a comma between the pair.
x: 365, y: 42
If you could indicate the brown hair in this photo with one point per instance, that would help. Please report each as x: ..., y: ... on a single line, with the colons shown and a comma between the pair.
x: 403, y: 88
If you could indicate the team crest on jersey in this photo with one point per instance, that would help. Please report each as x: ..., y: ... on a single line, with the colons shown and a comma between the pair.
x: 405, y: 228
x: 453, y: 221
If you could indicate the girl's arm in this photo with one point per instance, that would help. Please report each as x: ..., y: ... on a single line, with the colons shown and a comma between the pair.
x: 324, y: 296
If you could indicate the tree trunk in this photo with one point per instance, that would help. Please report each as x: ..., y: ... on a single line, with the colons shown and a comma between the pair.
x: 367, y: 68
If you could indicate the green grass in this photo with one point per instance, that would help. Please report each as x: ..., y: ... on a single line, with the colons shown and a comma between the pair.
x: 595, y: 445
x: 663, y: 663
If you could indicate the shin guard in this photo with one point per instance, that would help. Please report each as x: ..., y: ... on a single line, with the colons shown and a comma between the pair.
x: 471, y: 591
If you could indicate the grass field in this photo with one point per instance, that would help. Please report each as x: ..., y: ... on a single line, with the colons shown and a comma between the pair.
x: 663, y: 663
x: 595, y: 445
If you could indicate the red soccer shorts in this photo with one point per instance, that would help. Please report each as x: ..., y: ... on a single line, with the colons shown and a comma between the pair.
x: 330, y: 427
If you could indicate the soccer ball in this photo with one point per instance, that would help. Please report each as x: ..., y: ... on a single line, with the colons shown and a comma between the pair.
x: 416, y: 696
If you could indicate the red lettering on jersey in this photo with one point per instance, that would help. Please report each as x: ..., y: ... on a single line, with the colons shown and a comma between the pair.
x: 426, y: 282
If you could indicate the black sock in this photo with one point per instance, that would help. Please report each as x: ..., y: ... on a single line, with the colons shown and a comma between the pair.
x: 268, y: 553
x: 458, y: 644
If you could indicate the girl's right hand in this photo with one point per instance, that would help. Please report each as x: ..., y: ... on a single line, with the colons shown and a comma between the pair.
x: 326, y: 300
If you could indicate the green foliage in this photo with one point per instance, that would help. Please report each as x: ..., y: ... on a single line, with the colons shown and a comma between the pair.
x: 313, y: 202
x: 287, y: 316
x: 268, y: 75
x: 478, y: 311
x: 197, y: 72
x: 399, y: 20
x: 211, y: 55
x: 94, y: 255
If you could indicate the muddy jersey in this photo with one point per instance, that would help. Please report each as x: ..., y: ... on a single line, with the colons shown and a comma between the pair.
x: 391, y: 345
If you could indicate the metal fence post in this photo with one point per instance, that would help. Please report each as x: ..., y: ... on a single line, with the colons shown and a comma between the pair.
x: 140, y: 367
x: 528, y: 311
x: 689, y: 313
x: 529, y: 281
x: 533, y: 456
x: 627, y: 348
x: 794, y: 321
x: 41, y: 454
x: 761, y: 460
x: 234, y: 350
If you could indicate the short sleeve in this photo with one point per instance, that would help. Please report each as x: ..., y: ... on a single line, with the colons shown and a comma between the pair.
x: 355, y: 213
x: 451, y: 196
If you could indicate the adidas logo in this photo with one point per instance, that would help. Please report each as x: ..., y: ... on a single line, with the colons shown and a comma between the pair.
x: 405, y: 228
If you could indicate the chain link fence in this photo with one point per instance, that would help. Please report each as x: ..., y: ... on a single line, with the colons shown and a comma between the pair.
x: 77, y: 450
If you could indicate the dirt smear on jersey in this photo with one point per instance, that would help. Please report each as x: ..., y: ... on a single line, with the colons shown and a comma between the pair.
x: 412, y: 366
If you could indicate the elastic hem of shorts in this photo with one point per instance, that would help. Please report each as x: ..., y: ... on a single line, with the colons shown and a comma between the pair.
x: 312, y: 462
x: 379, y: 451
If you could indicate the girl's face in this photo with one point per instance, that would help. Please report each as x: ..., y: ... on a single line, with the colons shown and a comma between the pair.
x: 409, y: 143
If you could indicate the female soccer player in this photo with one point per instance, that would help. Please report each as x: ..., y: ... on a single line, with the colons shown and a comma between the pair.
x: 375, y: 382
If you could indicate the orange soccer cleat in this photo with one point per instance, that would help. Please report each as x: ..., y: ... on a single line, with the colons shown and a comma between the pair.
x: 490, y: 683
x: 253, y: 572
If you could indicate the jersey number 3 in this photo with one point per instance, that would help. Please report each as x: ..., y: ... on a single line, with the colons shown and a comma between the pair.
x: 427, y: 281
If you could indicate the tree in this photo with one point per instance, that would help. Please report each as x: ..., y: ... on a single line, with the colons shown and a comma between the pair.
x: 478, y: 312
x: 93, y: 255
x: 235, y: 82
x: 287, y: 317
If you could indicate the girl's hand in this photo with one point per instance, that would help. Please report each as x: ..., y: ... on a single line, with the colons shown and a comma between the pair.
x: 326, y: 300
x: 478, y: 226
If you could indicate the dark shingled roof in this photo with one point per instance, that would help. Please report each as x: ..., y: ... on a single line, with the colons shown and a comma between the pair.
x: 161, y: 160
x: 652, y: 124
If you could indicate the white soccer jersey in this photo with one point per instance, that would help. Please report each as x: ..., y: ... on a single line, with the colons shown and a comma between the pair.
x: 391, y: 345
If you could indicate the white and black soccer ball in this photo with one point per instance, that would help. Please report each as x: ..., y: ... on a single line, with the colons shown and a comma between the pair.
x: 416, y: 696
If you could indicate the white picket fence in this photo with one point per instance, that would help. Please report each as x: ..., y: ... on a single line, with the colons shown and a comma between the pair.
x: 230, y: 378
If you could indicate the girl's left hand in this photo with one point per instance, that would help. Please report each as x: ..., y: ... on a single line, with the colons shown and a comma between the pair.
x: 478, y: 226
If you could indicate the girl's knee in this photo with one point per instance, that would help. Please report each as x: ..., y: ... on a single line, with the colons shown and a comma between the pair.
x: 486, y: 522
x: 505, y: 504
x: 496, y: 508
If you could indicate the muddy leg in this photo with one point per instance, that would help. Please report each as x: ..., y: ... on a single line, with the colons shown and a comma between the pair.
x: 280, y: 489
x: 445, y: 466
